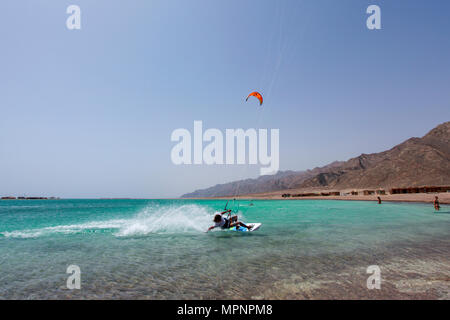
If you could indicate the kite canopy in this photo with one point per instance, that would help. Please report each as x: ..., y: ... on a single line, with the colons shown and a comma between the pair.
x: 257, y: 95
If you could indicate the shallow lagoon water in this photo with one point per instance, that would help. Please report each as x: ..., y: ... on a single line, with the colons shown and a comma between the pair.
x: 157, y: 249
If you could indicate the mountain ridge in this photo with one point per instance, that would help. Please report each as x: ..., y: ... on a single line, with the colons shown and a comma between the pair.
x: 414, y: 162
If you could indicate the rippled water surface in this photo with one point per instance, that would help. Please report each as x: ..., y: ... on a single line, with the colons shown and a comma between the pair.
x: 157, y: 249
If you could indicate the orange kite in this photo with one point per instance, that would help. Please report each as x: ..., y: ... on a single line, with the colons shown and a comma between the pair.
x: 257, y: 95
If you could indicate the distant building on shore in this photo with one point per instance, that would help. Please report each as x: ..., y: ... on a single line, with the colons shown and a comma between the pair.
x: 368, y: 192
x: 425, y: 189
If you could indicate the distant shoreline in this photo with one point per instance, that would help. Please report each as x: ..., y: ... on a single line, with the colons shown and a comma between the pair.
x: 444, y: 197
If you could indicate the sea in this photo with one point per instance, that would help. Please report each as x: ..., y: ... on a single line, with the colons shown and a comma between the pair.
x: 158, y: 249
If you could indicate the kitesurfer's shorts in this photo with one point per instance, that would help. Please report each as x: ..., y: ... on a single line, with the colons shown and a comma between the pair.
x: 227, y: 224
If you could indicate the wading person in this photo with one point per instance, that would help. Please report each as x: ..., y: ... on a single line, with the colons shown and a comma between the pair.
x: 437, y: 206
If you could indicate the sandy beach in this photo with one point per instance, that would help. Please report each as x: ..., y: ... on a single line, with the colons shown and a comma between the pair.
x: 444, y: 197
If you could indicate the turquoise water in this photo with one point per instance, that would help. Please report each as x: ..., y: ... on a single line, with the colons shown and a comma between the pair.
x: 157, y: 249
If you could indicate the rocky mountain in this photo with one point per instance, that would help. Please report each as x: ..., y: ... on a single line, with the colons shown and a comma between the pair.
x: 415, y: 162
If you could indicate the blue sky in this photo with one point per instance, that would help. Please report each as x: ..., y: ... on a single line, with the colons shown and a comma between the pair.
x: 89, y: 113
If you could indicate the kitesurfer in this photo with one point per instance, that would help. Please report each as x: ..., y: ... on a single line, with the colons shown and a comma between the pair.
x: 226, y: 223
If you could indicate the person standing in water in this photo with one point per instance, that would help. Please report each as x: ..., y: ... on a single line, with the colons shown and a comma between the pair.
x: 437, y: 206
x: 379, y: 200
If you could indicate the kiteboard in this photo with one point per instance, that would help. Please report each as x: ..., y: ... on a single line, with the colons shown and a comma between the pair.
x: 254, y: 227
